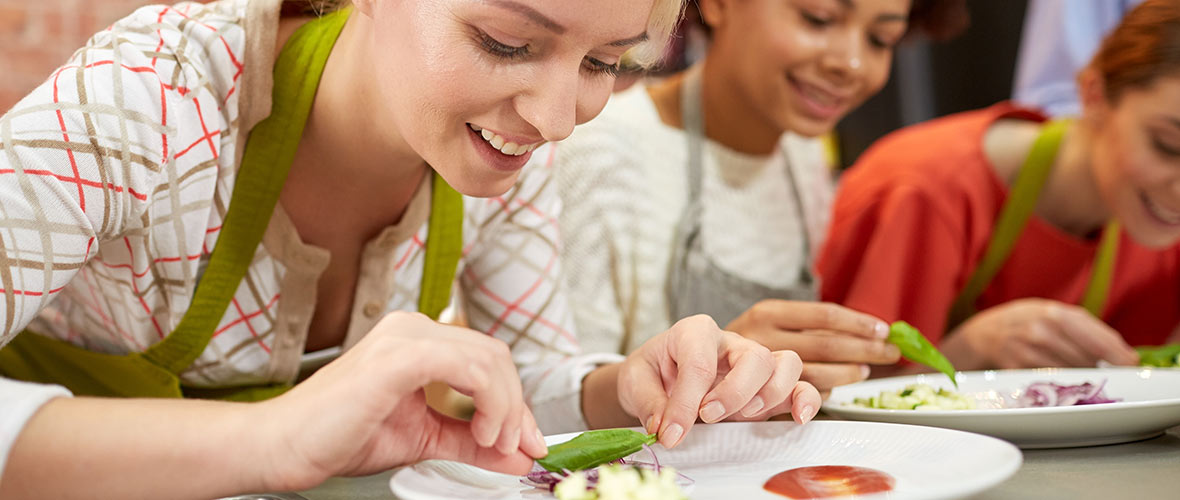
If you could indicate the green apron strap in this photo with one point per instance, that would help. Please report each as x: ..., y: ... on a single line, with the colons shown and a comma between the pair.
x: 1098, y: 289
x: 444, y: 246
x: 1019, y: 207
x: 265, y: 163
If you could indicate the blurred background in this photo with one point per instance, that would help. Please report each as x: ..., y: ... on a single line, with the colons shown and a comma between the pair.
x: 929, y: 79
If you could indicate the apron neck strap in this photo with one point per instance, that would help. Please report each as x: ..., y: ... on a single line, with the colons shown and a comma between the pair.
x: 1014, y: 216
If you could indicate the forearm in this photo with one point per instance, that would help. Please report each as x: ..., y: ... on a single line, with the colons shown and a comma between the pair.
x: 105, y: 448
x: 600, y: 399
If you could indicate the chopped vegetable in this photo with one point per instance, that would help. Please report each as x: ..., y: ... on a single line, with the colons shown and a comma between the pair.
x: 617, y: 482
x: 916, y: 348
x: 585, y: 484
x: 1039, y: 394
x: 594, y: 448
x: 917, y: 397
x: 1164, y: 356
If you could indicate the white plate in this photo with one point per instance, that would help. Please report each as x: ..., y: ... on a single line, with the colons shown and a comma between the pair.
x: 1150, y: 405
x: 734, y: 460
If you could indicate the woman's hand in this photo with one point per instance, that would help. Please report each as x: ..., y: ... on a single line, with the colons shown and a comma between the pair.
x: 366, y: 412
x: 836, y: 343
x: 1034, y: 333
x: 695, y: 369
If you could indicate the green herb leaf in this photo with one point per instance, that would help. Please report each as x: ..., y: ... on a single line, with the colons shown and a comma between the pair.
x: 1165, y: 355
x: 594, y: 448
x: 916, y: 348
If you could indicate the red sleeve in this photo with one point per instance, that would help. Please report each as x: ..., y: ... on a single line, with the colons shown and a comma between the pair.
x: 897, y: 258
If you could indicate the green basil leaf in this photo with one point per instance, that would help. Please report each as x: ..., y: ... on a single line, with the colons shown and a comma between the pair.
x: 1165, y: 355
x: 594, y: 448
x: 916, y: 348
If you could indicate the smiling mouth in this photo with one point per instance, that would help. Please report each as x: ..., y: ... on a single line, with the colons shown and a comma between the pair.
x: 817, y: 96
x: 503, y: 145
x: 1160, y: 213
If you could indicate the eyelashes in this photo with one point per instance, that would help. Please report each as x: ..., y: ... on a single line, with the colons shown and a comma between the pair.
x: 508, y: 52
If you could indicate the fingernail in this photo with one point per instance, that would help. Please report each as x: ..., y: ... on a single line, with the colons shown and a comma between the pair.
x: 753, y: 407
x: 540, y: 439
x: 864, y: 371
x: 882, y: 330
x: 672, y: 435
x: 712, y: 412
x: 806, y: 414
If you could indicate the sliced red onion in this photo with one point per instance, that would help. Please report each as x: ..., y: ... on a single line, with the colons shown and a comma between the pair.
x: 1041, y: 394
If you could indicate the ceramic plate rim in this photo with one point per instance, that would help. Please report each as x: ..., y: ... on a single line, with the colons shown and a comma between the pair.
x: 839, y: 406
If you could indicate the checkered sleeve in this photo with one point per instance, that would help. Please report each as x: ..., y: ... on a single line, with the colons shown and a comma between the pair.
x: 113, y: 150
x: 101, y: 149
x: 513, y: 290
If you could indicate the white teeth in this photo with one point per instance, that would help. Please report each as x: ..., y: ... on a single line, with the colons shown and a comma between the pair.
x: 1162, y: 213
x: 503, y: 145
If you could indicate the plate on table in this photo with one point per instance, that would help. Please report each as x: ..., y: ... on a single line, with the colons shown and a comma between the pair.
x: 1150, y: 404
x: 734, y: 460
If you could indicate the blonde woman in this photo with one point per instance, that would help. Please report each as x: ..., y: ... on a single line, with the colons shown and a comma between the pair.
x: 387, y: 139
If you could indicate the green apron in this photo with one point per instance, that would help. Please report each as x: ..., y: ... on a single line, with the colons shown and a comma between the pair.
x: 1013, y: 217
x: 265, y: 164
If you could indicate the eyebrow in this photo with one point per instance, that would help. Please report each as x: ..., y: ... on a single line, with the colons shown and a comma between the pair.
x: 848, y: 4
x: 530, y: 13
x: 554, y: 26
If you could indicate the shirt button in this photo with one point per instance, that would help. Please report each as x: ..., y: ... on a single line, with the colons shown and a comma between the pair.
x: 372, y: 309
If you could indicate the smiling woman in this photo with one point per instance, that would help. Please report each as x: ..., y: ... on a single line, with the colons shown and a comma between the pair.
x: 210, y: 199
x: 1016, y: 218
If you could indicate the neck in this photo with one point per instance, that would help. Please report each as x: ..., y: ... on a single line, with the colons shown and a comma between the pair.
x: 347, y: 141
x: 730, y: 118
x: 1070, y: 199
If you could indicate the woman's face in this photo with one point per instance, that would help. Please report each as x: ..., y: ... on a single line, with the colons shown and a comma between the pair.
x: 1136, y: 161
x: 806, y: 64
x: 473, y: 86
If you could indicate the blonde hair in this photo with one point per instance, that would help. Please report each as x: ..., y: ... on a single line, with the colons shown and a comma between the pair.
x: 665, y: 15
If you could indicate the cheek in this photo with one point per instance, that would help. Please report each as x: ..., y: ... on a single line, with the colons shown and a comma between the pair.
x: 592, y: 100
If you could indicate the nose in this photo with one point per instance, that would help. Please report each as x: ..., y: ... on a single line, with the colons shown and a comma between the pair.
x: 844, y: 57
x: 550, y: 101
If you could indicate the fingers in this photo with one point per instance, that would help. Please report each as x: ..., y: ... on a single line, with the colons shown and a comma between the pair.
x: 453, y: 442
x: 831, y: 347
x: 778, y: 387
x: 746, y: 383
x: 1097, y: 339
x: 825, y: 376
x: 694, y: 351
x: 790, y: 315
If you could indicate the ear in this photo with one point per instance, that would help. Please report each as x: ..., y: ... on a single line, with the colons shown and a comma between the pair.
x: 1092, y: 94
x: 713, y: 12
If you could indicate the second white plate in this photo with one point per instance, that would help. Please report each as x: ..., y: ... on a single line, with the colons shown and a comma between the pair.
x: 1150, y: 405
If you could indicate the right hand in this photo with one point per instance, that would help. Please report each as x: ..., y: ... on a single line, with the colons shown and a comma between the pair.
x: 366, y: 412
x: 836, y: 343
x: 1035, y: 333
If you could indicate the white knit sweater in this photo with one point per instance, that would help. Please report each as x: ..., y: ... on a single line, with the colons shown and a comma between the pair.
x: 623, y: 183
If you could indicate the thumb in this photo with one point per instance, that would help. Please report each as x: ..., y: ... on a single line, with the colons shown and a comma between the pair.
x: 453, y: 440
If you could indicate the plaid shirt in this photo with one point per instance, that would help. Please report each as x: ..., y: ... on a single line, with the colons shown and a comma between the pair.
x: 115, y: 177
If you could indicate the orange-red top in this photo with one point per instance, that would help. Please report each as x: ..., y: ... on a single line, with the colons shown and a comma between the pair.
x: 913, y: 217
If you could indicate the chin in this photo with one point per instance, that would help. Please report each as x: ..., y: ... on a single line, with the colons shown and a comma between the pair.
x: 484, y: 186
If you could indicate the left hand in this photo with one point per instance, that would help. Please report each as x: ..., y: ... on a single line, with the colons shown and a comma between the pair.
x: 696, y: 369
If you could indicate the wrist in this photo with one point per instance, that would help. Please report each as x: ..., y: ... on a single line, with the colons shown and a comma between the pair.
x: 600, y: 399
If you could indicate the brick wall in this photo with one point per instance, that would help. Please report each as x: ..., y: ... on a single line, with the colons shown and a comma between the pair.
x: 37, y: 36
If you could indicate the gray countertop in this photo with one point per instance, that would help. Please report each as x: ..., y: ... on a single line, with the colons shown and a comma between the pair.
x: 1145, y: 469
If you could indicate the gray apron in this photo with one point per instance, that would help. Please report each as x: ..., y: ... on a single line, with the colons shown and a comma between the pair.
x: 696, y: 285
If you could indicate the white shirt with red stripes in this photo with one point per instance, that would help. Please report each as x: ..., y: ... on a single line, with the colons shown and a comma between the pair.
x: 115, y: 175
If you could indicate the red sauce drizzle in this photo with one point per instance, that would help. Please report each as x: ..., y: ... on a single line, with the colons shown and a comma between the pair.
x: 827, y: 481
